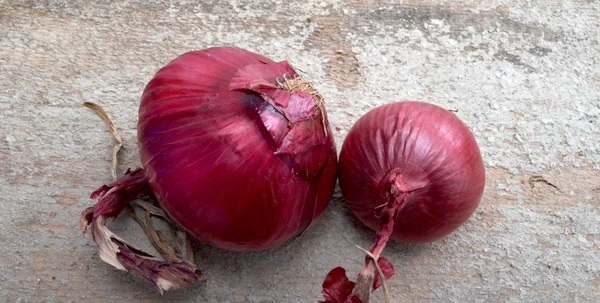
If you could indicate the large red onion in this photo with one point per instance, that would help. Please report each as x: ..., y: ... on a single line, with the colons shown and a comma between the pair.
x: 234, y: 157
x: 411, y: 171
x: 235, y: 147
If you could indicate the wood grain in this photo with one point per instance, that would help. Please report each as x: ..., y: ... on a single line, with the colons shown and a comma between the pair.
x: 523, y: 75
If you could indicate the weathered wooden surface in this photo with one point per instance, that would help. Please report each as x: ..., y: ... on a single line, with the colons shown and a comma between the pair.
x: 525, y: 75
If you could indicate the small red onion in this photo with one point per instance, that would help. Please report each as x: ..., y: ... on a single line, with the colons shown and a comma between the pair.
x: 413, y: 172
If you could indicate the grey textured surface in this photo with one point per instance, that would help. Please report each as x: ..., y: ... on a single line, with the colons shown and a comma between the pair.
x: 525, y: 76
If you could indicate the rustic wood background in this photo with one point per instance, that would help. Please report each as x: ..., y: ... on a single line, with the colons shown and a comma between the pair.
x: 524, y: 75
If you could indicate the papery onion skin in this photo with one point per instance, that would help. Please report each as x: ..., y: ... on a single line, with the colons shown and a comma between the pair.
x: 436, y: 156
x: 237, y: 161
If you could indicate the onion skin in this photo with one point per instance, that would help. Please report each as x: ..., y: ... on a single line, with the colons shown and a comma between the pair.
x: 171, y: 274
x: 236, y: 160
x: 437, y: 157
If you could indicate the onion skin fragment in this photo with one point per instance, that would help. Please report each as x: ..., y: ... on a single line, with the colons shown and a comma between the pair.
x: 112, y: 200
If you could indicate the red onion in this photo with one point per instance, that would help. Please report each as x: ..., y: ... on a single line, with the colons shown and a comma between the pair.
x: 235, y: 147
x: 413, y: 172
x: 239, y: 159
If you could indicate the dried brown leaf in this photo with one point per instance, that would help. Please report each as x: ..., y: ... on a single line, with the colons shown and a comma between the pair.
x: 167, y: 275
x: 153, y: 210
x: 164, y: 275
x: 113, y: 131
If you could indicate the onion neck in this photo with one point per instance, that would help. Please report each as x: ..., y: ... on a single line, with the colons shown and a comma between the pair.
x: 383, y: 235
x: 290, y: 114
x: 395, y: 190
x: 296, y: 83
x: 393, y: 196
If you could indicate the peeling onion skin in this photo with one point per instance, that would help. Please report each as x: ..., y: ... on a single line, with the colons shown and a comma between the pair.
x: 238, y: 162
x: 436, y: 156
